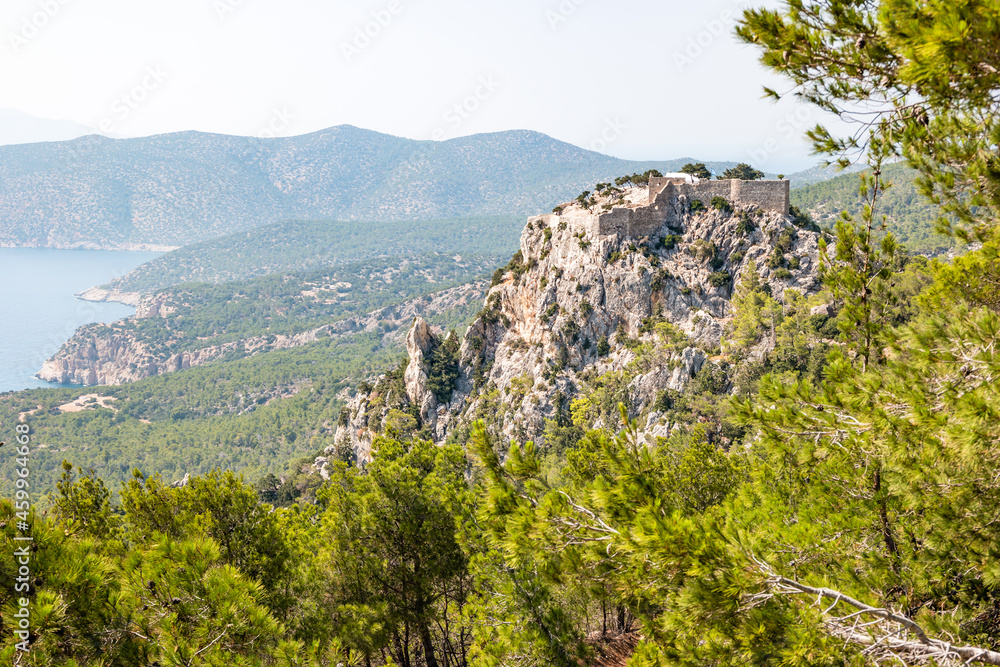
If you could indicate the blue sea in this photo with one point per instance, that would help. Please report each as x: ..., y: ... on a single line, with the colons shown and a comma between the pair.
x: 38, y: 309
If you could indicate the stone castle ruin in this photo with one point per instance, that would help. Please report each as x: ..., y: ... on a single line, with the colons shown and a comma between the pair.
x: 664, y: 204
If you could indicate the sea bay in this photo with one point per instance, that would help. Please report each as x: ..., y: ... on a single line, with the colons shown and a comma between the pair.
x: 38, y: 307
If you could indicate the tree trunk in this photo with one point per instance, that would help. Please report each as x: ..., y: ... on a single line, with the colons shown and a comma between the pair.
x: 884, y: 524
x: 428, y: 643
x: 402, y: 652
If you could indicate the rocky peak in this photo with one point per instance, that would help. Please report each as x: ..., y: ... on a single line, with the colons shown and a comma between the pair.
x: 420, y: 342
x: 574, y: 304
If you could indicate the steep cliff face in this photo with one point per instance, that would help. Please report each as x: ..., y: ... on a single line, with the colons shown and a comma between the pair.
x: 574, y: 305
x: 96, y: 357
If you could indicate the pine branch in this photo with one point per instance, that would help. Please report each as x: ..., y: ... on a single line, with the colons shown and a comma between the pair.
x: 890, y: 636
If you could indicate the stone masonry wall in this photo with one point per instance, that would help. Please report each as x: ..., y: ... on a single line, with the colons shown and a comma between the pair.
x: 662, y: 207
x: 665, y: 208
x: 769, y: 195
x: 703, y: 191
x: 619, y: 221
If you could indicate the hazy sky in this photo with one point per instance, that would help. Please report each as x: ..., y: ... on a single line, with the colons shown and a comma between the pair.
x: 639, y: 79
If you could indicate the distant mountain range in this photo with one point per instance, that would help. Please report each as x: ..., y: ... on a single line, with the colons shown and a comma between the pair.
x: 180, y: 188
x: 17, y: 127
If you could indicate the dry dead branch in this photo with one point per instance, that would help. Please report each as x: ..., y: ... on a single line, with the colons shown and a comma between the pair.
x: 884, y: 635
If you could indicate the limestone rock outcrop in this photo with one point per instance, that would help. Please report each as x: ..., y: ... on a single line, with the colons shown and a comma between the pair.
x: 574, y: 303
x: 419, y: 343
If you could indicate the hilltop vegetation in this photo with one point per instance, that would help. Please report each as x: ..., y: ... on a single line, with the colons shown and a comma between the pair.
x: 910, y: 217
x: 299, y: 246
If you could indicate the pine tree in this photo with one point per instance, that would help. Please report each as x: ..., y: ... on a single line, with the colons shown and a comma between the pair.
x: 395, y: 572
x: 743, y: 172
x: 697, y: 169
x: 920, y: 76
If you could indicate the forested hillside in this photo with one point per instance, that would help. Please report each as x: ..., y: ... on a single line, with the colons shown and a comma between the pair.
x: 243, y: 415
x: 909, y: 216
x: 736, y: 440
x: 313, y: 244
x: 253, y: 408
x: 199, y: 323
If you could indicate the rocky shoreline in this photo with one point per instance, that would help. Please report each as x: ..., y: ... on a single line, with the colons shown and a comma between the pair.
x: 100, y: 295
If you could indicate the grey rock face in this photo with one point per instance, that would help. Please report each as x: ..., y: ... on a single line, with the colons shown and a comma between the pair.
x: 419, y: 343
x: 574, y: 292
x: 355, y: 436
x: 824, y: 309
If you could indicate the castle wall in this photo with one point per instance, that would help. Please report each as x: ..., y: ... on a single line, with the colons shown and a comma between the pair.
x: 663, y: 210
x: 657, y: 183
x: 703, y: 191
x: 619, y: 220
x: 647, y: 220
x: 769, y: 195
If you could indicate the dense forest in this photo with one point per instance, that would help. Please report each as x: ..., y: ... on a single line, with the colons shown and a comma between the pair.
x: 910, y: 216
x: 827, y: 495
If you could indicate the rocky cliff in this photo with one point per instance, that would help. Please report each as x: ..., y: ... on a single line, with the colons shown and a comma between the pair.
x: 574, y: 306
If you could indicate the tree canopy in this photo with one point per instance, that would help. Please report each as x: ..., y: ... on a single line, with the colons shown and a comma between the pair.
x: 919, y: 78
x: 743, y: 172
x: 697, y: 169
